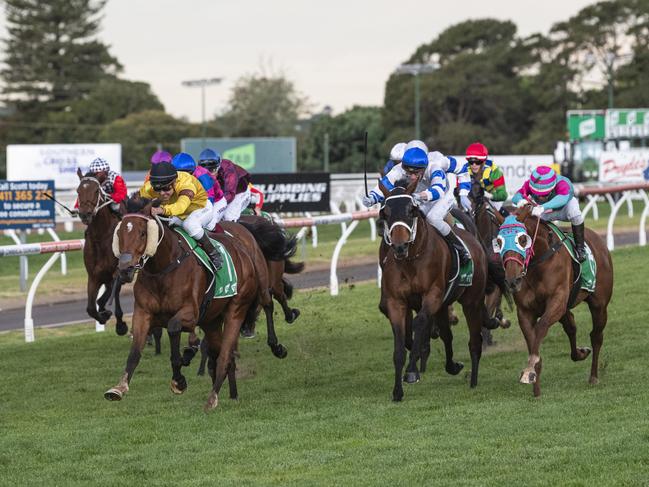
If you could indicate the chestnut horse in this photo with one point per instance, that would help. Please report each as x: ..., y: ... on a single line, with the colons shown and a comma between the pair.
x: 98, y: 258
x: 417, y: 266
x: 539, y: 271
x: 170, y: 290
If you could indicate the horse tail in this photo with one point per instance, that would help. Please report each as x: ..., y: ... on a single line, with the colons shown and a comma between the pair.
x: 288, y: 288
x: 273, y: 241
x: 496, y: 277
x: 291, y: 267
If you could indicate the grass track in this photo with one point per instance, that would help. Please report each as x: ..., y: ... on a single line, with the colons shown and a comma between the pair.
x: 323, y: 416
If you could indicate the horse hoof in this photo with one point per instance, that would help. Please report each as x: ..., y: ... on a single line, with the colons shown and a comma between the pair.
x: 528, y: 377
x: 492, y: 324
x: 434, y: 332
x: 454, y: 368
x: 247, y: 333
x: 411, y: 377
x: 293, y: 316
x: 104, y: 316
x: 453, y: 320
x: 178, y: 387
x: 593, y: 381
x: 505, y: 324
x: 121, y: 328
x: 212, y: 402
x: 279, y: 351
x: 113, y: 394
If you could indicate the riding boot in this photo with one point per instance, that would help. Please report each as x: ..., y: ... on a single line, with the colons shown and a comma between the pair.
x: 580, y: 249
x: 457, y: 245
x: 211, y: 251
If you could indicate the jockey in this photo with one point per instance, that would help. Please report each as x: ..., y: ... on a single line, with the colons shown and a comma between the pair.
x: 185, y: 201
x: 396, y: 154
x: 111, y: 182
x: 185, y: 162
x: 256, y: 199
x: 555, y: 200
x: 450, y: 165
x: 433, y: 193
x: 233, y: 180
x: 489, y: 175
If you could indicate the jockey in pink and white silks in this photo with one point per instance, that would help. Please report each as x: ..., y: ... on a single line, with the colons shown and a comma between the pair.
x: 554, y: 196
x: 432, y: 192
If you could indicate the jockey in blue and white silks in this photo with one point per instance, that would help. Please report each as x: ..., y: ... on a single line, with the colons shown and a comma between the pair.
x: 451, y: 165
x: 432, y: 192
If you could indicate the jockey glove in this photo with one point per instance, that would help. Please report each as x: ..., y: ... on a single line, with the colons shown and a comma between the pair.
x: 369, y: 200
x: 466, y: 203
x: 538, y: 211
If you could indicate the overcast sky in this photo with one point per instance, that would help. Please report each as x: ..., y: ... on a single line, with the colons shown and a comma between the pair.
x: 337, y: 52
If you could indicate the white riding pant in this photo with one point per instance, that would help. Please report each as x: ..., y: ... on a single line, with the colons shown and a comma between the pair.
x: 196, y: 221
x: 218, y: 210
x: 236, y: 206
x: 569, y: 213
x: 497, y: 204
x: 437, y: 210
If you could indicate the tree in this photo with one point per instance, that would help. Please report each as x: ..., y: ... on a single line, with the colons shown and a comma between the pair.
x: 53, y: 56
x: 142, y: 133
x: 264, y: 106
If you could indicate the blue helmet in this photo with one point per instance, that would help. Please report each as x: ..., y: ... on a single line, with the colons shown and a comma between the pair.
x: 415, y: 158
x: 184, y: 162
x: 209, y: 159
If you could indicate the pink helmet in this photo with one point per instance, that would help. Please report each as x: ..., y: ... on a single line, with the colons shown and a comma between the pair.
x: 160, y: 156
x: 543, y: 180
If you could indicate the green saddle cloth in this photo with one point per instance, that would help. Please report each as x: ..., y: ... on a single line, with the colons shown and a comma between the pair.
x: 588, y: 267
x: 250, y: 212
x: 466, y: 271
x: 226, y: 277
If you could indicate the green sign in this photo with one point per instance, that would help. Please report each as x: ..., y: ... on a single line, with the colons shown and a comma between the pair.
x: 628, y: 122
x: 586, y: 124
x: 243, y: 155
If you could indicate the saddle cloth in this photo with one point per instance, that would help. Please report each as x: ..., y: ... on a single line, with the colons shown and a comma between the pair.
x: 226, y: 277
x: 588, y: 268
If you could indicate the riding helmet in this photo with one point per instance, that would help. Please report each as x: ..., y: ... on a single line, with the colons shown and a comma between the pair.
x: 209, y: 159
x: 415, y: 157
x: 396, y: 154
x: 184, y: 162
x: 162, y: 173
x: 160, y: 156
x: 417, y: 143
x: 477, y: 151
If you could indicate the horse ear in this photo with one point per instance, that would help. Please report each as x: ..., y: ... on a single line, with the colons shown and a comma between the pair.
x: 79, y: 173
x: 384, y: 190
x: 523, y: 213
x: 411, y: 187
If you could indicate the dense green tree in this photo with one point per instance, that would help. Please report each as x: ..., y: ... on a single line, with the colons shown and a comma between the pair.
x: 346, y: 139
x: 52, y: 53
x: 142, y: 133
x: 264, y: 106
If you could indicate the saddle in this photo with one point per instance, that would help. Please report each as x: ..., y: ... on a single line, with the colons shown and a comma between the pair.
x: 461, y: 276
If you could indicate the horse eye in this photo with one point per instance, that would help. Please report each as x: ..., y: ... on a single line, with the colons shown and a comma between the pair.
x: 142, y: 233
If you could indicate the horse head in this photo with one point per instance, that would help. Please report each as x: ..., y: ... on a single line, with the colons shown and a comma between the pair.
x: 136, y: 237
x: 91, y: 196
x: 477, y: 193
x: 399, y: 214
x: 514, y: 244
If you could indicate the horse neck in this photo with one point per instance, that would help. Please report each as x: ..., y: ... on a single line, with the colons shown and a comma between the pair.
x: 102, y: 223
x: 165, y: 253
x: 540, y: 243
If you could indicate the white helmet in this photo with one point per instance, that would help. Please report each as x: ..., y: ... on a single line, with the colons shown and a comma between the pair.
x: 417, y: 143
x: 396, y: 154
x: 438, y: 159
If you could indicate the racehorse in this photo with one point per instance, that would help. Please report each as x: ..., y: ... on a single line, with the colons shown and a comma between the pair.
x: 417, y: 266
x: 539, y: 271
x: 98, y: 258
x: 487, y: 221
x: 171, y: 287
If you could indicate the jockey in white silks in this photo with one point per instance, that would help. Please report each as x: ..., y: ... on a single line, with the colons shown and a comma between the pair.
x: 432, y: 192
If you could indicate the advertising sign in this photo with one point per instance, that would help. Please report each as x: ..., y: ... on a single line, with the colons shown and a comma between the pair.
x: 294, y: 192
x: 630, y: 166
x: 628, y: 122
x: 257, y: 155
x: 58, y: 161
x: 586, y: 124
x: 23, y: 204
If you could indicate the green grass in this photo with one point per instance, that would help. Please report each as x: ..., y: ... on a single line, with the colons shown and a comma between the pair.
x: 323, y: 416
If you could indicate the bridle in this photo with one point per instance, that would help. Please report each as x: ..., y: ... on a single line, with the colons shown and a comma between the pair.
x: 103, y: 199
x: 145, y: 257
x: 412, y: 228
x: 529, y: 251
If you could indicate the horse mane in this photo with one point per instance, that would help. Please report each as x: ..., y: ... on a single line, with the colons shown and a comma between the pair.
x: 136, y: 203
x: 90, y: 174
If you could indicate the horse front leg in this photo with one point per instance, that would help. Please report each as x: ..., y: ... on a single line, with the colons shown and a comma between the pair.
x: 141, y: 324
x: 93, y: 289
x: 576, y: 353
x: 121, y: 328
x: 444, y: 325
x: 475, y: 313
x: 397, y: 311
x: 104, y: 314
x: 277, y: 348
x: 190, y: 351
x: 185, y: 318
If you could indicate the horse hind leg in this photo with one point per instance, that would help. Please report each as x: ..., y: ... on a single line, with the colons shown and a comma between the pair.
x: 576, y: 353
x: 232, y: 379
x: 204, y: 356
x: 193, y: 345
x: 103, y: 313
x: 280, y: 293
x: 277, y: 348
x: 452, y: 367
x: 600, y: 317
x: 474, y: 318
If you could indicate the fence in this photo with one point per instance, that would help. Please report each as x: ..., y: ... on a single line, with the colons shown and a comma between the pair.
x: 616, y: 196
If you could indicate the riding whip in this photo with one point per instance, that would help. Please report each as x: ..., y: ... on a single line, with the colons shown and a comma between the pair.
x: 73, y: 213
x: 365, y: 163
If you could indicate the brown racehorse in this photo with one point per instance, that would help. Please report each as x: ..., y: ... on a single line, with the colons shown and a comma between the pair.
x: 170, y: 290
x: 101, y: 264
x: 417, y: 266
x: 542, y: 284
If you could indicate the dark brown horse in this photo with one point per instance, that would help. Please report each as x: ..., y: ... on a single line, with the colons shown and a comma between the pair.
x: 170, y: 290
x: 540, y: 272
x: 101, y: 264
x: 417, y: 266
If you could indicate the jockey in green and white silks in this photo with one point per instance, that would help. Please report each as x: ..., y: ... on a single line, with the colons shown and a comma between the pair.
x: 432, y: 192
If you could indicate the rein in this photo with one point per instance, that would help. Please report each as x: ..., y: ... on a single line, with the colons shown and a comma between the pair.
x: 144, y: 257
x: 412, y: 229
x: 103, y: 199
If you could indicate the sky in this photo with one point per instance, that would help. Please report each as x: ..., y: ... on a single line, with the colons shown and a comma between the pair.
x: 337, y: 52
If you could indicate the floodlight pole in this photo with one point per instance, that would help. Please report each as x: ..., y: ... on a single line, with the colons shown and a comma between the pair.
x: 415, y: 70
x: 202, y: 83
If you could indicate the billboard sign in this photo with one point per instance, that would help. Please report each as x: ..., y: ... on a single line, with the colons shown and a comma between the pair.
x: 630, y: 166
x: 627, y: 122
x: 586, y: 124
x: 256, y: 155
x: 58, y: 161
x: 23, y: 204
x: 293, y: 192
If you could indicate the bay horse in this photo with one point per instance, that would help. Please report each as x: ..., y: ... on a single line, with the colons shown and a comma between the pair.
x: 98, y: 258
x: 539, y: 271
x: 417, y: 266
x: 170, y: 290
